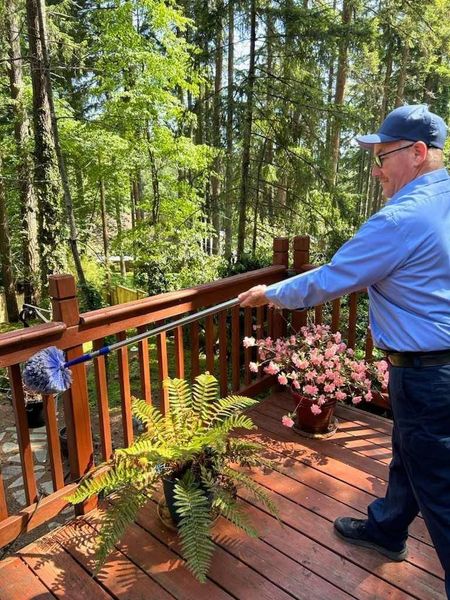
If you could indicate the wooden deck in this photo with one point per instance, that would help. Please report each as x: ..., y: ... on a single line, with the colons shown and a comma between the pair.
x: 314, y: 482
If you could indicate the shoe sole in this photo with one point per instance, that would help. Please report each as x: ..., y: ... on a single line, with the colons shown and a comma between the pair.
x: 394, y: 556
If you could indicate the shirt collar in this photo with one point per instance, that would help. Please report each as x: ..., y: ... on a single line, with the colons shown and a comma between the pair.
x: 426, y: 179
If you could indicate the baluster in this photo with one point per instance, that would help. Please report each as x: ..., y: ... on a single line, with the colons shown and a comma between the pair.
x: 369, y: 345
x: 163, y: 364
x: 248, y: 351
x: 125, y: 391
x: 195, y: 350
x: 23, y: 435
x: 352, y: 319
x: 101, y: 384
x: 335, y: 315
x: 318, y: 314
x: 144, y: 368
x: 54, y: 446
x: 223, y: 359
x: 235, y: 349
x: 259, y: 331
x: 209, y: 343
x: 179, y: 353
x: 3, y: 505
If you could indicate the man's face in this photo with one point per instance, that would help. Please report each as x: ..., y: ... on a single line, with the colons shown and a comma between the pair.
x: 398, y: 168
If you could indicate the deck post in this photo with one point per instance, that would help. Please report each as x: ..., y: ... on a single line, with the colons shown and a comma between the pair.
x: 76, y: 402
x: 301, y: 246
x: 280, y: 257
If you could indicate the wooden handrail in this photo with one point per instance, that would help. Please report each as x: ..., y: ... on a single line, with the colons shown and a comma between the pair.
x: 30, y: 335
x: 112, y: 320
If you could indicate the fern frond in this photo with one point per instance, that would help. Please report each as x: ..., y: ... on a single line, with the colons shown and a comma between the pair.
x: 204, y: 392
x: 226, y: 407
x: 194, y: 527
x: 257, y: 490
x: 229, y: 508
x: 248, y: 454
x: 150, y: 416
x: 119, y: 516
x: 106, y: 482
x: 234, y: 422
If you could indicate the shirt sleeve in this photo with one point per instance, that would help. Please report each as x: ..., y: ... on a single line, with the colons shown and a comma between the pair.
x: 375, y: 251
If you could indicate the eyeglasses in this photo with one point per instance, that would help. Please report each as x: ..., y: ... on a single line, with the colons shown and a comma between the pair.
x: 377, y: 157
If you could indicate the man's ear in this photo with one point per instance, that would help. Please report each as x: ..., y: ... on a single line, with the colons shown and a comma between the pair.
x: 420, y: 152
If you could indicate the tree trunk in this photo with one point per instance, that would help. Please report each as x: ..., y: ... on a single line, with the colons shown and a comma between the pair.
x: 341, y: 80
x: 46, y: 172
x: 123, y: 270
x: 73, y: 233
x: 400, y: 95
x: 244, y: 192
x: 28, y: 200
x: 215, y: 180
x: 105, y: 237
x: 229, y: 134
x: 5, y: 256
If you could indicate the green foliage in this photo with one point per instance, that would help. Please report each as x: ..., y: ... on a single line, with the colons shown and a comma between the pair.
x: 190, y: 445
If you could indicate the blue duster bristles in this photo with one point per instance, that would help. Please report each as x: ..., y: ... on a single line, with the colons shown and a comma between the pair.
x: 46, y: 372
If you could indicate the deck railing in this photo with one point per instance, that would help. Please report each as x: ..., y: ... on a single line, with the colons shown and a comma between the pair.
x: 213, y: 345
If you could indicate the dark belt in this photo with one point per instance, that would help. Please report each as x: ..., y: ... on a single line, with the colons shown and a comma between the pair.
x: 418, y: 359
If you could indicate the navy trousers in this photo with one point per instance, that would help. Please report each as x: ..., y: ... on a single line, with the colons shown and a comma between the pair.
x: 419, y: 474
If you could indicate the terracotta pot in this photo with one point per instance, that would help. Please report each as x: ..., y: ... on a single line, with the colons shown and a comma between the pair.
x: 307, y: 421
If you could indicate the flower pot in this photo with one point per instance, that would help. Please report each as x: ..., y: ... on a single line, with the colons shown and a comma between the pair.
x: 169, y: 495
x: 35, y: 414
x: 307, y: 421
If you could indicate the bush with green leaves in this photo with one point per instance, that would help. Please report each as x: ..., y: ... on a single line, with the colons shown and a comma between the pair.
x: 192, y: 446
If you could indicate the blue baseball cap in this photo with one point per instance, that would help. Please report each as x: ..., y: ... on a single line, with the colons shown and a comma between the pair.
x: 410, y: 122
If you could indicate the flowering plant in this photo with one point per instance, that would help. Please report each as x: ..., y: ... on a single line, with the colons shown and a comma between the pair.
x: 317, y: 364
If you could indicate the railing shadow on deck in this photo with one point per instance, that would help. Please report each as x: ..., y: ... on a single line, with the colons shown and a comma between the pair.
x: 221, y: 353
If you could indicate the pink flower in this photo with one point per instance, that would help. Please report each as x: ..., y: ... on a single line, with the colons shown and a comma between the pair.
x: 296, y: 384
x: 272, y: 368
x: 310, y: 375
x: 253, y: 367
x: 340, y: 395
x: 282, y: 379
x: 382, y: 366
x: 356, y: 399
x: 310, y: 389
x: 287, y: 421
x: 368, y: 396
x: 315, y: 409
x: 248, y: 342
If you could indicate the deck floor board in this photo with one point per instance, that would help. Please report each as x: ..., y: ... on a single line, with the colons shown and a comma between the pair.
x: 299, y: 556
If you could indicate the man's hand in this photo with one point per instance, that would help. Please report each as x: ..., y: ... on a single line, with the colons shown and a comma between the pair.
x: 255, y: 296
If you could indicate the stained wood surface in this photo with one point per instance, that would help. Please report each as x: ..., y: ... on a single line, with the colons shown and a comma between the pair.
x: 297, y: 556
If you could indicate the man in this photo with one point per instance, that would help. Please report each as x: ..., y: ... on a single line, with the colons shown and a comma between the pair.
x: 402, y: 255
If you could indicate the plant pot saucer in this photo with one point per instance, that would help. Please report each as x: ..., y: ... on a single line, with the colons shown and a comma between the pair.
x: 332, y: 428
x: 166, y: 519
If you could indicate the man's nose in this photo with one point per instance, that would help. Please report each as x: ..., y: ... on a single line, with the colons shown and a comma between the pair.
x: 376, y: 171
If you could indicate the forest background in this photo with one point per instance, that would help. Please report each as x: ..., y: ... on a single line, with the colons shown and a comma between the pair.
x: 183, y: 136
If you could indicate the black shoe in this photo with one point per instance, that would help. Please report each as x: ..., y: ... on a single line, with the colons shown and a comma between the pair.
x: 354, y: 532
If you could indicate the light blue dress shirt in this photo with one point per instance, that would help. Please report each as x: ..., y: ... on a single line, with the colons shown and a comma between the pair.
x: 402, y: 255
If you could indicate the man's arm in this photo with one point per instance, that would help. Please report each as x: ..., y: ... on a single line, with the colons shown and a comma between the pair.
x: 375, y: 251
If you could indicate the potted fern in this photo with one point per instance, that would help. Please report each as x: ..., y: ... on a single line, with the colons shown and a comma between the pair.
x: 191, y: 451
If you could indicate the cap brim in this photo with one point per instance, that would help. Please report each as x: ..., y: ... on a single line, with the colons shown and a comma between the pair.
x: 367, y: 141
